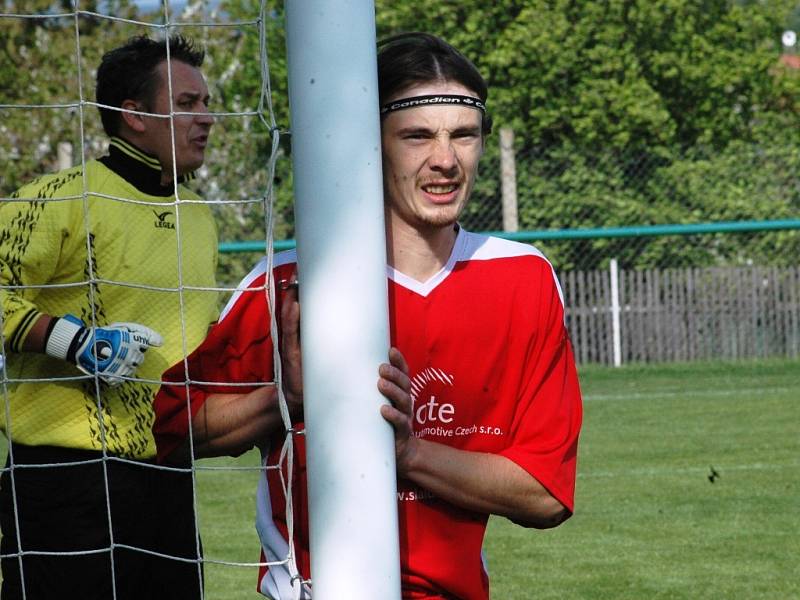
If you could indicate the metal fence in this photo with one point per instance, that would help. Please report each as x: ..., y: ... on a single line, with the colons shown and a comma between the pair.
x: 618, y: 316
x: 557, y: 188
x: 691, y: 208
x: 688, y: 257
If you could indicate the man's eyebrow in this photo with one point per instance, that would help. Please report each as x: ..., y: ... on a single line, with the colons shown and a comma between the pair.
x: 422, y: 130
x: 466, y: 130
x: 415, y: 129
x: 193, y: 96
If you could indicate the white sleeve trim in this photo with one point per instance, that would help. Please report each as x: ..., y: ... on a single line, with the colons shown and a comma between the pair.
x: 281, y: 581
x: 260, y: 269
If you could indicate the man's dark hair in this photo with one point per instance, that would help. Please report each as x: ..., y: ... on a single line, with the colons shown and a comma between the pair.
x: 414, y: 58
x: 129, y: 73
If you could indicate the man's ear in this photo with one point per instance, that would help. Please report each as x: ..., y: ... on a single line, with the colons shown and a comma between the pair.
x: 132, y: 120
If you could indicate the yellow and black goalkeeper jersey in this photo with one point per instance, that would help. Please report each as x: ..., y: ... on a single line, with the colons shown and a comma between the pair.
x: 107, y: 245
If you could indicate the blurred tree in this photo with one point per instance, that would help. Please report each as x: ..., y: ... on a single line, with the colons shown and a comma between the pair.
x: 47, y: 88
x: 630, y: 74
x: 626, y: 112
x: 609, y: 100
x: 246, y: 71
x: 48, y: 73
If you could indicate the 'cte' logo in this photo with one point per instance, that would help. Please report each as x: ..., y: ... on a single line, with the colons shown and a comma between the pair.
x: 433, y: 412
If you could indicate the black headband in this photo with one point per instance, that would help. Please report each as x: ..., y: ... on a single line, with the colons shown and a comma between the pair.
x: 416, y: 101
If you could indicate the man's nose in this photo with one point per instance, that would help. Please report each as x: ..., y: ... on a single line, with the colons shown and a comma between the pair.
x: 443, y: 156
x: 205, y: 118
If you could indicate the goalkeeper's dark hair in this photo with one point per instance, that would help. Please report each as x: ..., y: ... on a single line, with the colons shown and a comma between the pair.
x: 129, y: 73
x: 416, y: 58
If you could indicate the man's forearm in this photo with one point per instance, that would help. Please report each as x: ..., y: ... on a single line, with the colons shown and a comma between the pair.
x: 480, y: 482
x: 35, y: 340
x: 230, y: 424
x: 486, y: 483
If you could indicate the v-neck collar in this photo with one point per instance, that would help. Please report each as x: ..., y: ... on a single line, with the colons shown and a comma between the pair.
x: 426, y: 287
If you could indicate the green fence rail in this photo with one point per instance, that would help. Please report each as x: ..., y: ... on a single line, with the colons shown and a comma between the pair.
x: 578, y: 234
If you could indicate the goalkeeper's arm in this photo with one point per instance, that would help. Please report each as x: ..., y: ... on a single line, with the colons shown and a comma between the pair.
x: 112, y: 352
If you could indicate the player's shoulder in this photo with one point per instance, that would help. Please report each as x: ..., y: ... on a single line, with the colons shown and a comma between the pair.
x: 283, y: 264
x: 187, y: 193
x: 507, y: 263
x: 61, y: 184
x: 281, y: 261
x: 484, y: 247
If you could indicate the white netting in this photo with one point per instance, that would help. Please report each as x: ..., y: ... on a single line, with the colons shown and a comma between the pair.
x: 51, y: 55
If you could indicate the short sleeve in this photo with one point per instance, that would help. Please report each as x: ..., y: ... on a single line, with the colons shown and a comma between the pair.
x: 547, y: 419
x: 235, y: 358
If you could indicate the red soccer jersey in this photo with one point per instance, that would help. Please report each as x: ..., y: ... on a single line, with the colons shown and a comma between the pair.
x: 492, y: 371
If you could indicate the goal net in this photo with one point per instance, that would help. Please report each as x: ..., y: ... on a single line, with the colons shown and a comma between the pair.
x: 49, y: 121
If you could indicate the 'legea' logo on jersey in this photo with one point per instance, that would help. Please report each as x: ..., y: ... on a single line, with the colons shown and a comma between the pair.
x: 162, y: 222
x: 431, y: 411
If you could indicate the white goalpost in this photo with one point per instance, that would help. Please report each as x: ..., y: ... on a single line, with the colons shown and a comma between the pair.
x: 338, y: 193
x: 336, y: 148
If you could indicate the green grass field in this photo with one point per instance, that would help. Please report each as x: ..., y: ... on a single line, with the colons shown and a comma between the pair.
x: 649, y: 523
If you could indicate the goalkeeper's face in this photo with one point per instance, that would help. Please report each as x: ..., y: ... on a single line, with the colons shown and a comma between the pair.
x: 430, y: 158
x: 191, y: 130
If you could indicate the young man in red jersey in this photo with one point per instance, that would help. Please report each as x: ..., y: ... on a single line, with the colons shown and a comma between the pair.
x: 485, y: 399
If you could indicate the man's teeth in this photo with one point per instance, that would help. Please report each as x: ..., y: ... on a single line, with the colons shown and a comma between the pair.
x: 440, y: 189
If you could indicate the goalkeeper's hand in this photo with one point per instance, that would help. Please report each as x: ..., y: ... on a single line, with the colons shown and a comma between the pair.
x: 112, y: 352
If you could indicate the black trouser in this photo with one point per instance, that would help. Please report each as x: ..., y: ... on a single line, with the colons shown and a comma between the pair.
x: 66, y: 508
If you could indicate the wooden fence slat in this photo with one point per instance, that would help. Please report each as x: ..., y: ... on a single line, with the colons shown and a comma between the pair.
x: 778, y: 322
x: 603, y: 313
x: 624, y: 313
x: 678, y: 306
x: 589, y: 317
x: 641, y: 322
x: 723, y: 316
x: 701, y: 316
x: 685, y: 312
x: 794, y: 310
x: 657, y: 316
x: 671, y: 309
x: 585, y: 307
x: 689, y: 302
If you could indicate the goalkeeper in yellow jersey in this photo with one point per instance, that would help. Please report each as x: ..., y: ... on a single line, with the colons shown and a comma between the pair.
x: 91, y: 263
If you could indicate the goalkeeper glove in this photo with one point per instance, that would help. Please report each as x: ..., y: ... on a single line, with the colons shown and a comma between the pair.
x: 112, y: 352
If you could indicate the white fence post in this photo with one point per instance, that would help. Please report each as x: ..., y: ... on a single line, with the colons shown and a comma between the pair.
x: 508, y: 180
x: 615, y: 311
x: 64, y: 150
